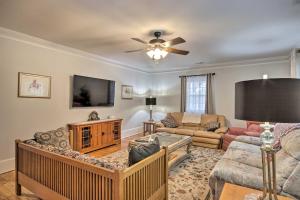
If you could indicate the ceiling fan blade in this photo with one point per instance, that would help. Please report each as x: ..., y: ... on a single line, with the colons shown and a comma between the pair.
x: 137, y: 50
x: 177, y: 51
x: 175, y: 41
x: 139, y: 40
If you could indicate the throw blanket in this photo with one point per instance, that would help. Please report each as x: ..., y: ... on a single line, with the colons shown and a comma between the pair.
x: 282, y: 129
x: 191, y: 118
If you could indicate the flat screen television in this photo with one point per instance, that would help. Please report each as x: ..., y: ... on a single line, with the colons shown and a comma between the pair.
x: 92, y: 92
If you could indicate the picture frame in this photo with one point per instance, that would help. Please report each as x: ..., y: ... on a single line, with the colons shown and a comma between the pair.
x: 127, y: 92
x: 34, y: 86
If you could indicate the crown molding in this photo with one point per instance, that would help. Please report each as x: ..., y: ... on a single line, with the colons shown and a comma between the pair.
x: 38, y: 42
x: 226, y: 65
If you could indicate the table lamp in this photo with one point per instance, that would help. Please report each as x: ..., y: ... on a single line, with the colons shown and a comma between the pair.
x: 268, y: 100
x: 151, y: 101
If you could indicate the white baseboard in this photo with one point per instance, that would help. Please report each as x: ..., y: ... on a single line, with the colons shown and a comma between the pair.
x: 130, y: 132
x: 7, y: 165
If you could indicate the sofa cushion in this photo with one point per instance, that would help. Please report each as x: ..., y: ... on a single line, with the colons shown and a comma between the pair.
x: 191, y: 118
x: 189, y: 127
x: 290, y: 143
x: 205, y: 119
x: 138, y: 151
x: 249, y: 140
x: 177, y: 116
x: 165, y: 129
x: 184, y: 132
x: 237, y: 173
x: 291, y: 186
x: 242, y: 155
x: 206, y: 140
x: 57, y: 138
x: 207, y: 134
x: 169, y: 122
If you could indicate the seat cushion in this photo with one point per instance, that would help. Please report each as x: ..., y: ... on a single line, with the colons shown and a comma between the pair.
x: 206, y: 140
x: 291, y: 186
x: 184, y: 132
x: 165, y: 129
x: 207, y: 134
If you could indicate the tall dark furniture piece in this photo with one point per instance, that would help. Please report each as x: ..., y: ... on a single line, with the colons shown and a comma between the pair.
x: 268, y: 100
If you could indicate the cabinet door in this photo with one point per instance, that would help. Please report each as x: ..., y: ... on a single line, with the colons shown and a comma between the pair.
x: 98, y: 134
x: 107, y: 135
x: 85, y: 137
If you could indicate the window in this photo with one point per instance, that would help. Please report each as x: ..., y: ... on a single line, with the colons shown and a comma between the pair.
x: 195, y: 94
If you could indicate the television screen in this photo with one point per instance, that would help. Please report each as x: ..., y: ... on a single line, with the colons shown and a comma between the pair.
x: 92, y: 92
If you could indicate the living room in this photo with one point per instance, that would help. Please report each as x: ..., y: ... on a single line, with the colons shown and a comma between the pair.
x: 61, y: 40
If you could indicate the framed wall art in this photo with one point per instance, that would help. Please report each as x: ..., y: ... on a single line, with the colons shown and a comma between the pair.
x: 34, y: 86
x: 127, y: 92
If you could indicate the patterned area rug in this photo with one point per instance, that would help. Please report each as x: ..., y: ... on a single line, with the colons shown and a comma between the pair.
x: 189, y: 179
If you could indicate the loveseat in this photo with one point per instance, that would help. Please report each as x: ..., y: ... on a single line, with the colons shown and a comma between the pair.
x: 56, y: 173
x: 198, y: 132
x: 241, y: 165
x: 252, y: 129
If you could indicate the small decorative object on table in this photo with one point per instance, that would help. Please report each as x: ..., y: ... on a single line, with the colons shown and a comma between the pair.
x: 268, y: 100
x: 34, y: 86
x: 93, y: 116
x: 127, y: 92
x: 151, y: 101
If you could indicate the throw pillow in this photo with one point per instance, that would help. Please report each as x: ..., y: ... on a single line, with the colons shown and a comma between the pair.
x: 212, y: 126
x: 169, y: 122
x: 57, y: 138
x: 140, y: 150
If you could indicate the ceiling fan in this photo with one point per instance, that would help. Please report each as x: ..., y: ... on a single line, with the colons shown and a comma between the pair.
x: 158, y: 48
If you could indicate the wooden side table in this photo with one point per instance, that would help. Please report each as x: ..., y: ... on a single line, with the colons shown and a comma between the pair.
x: 149, y: 126
x: 236, y: 192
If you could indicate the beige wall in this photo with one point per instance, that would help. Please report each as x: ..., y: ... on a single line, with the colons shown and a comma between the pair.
x: 166, y: 86
x: 21, y: 117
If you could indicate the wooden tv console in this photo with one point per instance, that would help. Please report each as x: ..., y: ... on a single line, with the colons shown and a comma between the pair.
x: 92, y: 135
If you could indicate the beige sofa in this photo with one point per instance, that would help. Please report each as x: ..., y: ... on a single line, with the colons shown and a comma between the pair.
x: 200, y: 136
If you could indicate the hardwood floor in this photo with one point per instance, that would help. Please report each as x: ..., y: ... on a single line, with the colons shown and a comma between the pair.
x: 7, y: 180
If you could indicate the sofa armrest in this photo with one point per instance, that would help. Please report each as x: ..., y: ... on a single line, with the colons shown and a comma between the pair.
x: 222, y: 130
x: 159, y: 125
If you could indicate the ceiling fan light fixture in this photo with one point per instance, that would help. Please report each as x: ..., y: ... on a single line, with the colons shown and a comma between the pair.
x: 157, y: 53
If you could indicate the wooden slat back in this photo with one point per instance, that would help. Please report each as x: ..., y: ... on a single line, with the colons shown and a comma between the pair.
x: 69, y: 179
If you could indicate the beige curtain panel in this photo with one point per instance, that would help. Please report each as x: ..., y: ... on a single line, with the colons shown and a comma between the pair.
x: 183, y: 94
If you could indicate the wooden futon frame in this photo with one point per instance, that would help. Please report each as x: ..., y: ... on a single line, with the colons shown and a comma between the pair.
x: 54, y: 177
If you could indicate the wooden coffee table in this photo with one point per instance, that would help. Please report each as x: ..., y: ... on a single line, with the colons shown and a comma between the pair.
x: 236, y: 192
x: 178, y: 146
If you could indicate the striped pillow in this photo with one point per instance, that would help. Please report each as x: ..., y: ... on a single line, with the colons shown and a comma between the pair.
x: 169, y: 122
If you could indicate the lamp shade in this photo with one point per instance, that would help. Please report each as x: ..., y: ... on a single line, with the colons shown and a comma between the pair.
x: 150, y: 101
x: 269, y: 100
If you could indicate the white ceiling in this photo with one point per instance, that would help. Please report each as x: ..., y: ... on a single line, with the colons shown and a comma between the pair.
x: 215, y: 30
